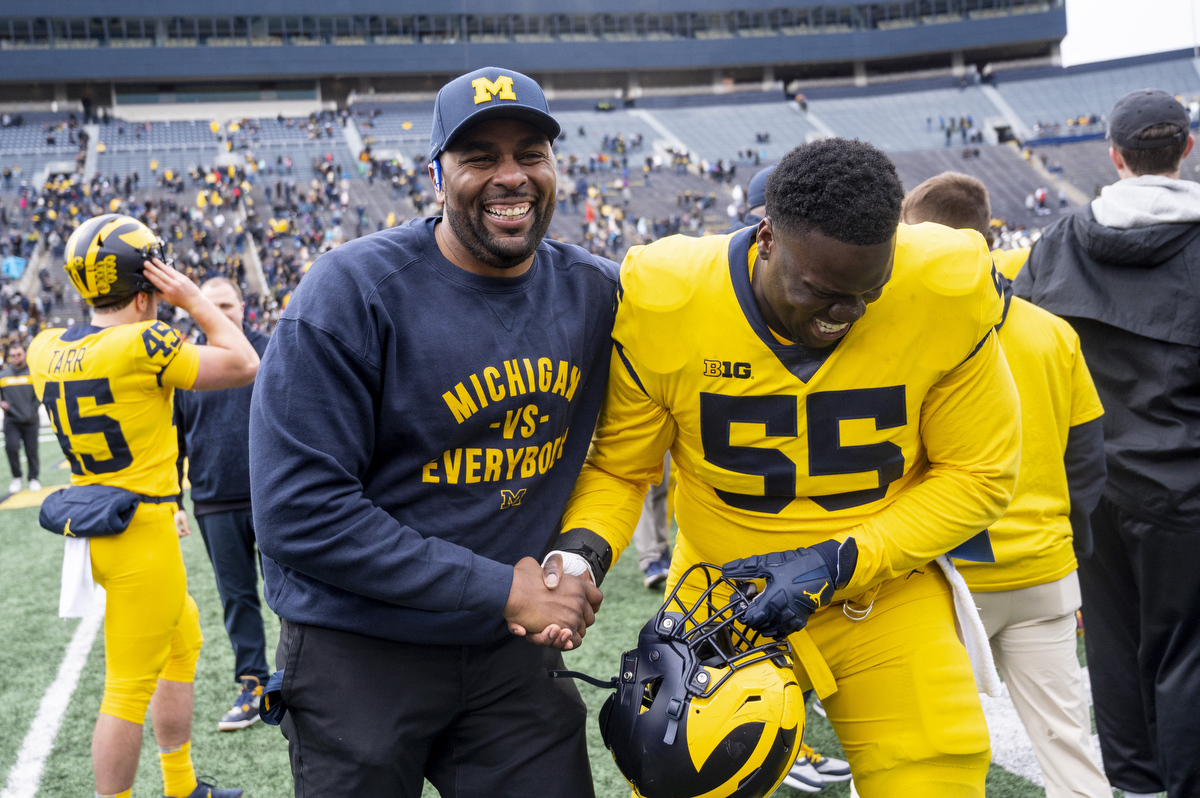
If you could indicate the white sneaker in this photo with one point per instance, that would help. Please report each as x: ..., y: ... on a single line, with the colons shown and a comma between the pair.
x: 827, y: 767
x: 804, y: 777
x: 34, y: 485
x: 15, y: 485
x: 818, y: 707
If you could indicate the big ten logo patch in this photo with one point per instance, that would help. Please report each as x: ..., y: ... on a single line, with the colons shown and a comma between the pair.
x: 485, y: 89
x: 724, y: 368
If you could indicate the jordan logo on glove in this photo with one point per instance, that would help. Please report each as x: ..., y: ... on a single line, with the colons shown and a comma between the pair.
x: 797, y: 583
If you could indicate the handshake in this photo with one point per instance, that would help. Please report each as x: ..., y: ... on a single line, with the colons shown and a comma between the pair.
x: 554, y: 608
x: 550, y: 607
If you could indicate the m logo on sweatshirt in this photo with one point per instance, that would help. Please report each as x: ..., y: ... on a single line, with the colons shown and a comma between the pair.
x: 510, y: 498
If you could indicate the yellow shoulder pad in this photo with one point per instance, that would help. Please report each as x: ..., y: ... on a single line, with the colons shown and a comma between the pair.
x: 948, y: 262
x: 663, y: 276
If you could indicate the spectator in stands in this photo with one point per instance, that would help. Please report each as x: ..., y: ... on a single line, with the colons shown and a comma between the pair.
x: 1028, y: 597
x: 756, y: 200
x: 1122, y: 271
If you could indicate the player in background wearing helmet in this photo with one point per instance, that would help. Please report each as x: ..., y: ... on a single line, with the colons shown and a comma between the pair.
x: 108, y: 389
x: 841, y: 415
x: 1028, y: 597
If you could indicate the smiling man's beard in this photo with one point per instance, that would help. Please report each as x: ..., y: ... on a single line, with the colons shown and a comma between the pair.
x: 471, y: 232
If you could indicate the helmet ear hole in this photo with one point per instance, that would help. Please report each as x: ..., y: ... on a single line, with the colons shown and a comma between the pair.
x: 650, y: 692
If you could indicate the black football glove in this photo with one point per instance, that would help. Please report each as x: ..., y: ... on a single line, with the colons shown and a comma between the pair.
x: 799, y: 582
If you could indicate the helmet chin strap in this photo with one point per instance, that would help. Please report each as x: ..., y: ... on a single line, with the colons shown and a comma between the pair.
x: 603, y: 684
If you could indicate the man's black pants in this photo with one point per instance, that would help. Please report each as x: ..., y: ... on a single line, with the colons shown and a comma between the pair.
x: 229, y: 539
x: 371, y: 717
x: 14, y: 435
x: 1141, y: 615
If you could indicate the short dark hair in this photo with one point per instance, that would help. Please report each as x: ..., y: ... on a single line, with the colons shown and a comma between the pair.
x: 1156, y: 160
x: 112, y: 304
x: 951, y: 198
x: 845, y: 189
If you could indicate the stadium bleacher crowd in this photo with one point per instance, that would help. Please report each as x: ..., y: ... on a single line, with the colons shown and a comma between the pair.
x: 272, y: 194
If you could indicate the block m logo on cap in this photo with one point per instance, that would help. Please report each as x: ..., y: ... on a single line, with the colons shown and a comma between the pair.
x: 485, y: 89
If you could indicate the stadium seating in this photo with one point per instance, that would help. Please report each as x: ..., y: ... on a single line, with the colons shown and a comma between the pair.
x: 1009, y: 179
x: 32, y: 167
x: 599, y: 124
x: 898, y: 122
x: 906, y: 124
x: 406, y: 124
x: 29, y: 138
x: 122, y: 136
x: 717, y: 132
x: 1055, y: 99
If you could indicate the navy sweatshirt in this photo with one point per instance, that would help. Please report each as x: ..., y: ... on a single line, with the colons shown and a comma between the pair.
x: 416, y: 430
x: 214, y: 435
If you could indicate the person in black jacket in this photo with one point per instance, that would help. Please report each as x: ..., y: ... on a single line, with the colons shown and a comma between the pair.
x: 1125, y: 272
x: 20, y: 406
x: 214, y: 432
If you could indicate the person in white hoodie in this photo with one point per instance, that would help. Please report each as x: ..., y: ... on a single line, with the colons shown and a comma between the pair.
x: 1124, y: 271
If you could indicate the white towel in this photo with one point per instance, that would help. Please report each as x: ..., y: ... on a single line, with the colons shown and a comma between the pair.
x: 971, y: 632
x: 79, y: 595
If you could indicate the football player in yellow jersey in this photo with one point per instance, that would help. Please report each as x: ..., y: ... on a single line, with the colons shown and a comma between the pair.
x: 1010, y: 261
x: 1028, y: 597
x: 108, y: 389
x: 841, y: 415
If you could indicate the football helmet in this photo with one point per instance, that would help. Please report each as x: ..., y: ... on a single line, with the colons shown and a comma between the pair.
x: 105, y: 254
x: 704, y: 706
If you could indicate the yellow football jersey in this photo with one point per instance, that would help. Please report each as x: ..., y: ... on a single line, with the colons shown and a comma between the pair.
x: 1010, y: 261
x: 1032, y: 542
x: 904, y: 435
x: 109, y: 393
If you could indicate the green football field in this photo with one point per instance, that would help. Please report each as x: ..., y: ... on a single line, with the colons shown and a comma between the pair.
x: 35, y: 641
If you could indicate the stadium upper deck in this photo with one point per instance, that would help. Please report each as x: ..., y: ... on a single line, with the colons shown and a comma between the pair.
x: 150, y: 51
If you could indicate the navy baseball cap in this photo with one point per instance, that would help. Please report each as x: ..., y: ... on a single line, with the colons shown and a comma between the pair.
x: 488, y: 93
x: 1142, y: 109
x: 756, y: 192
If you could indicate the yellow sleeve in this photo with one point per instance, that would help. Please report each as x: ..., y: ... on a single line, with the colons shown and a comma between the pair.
x: 161, y: 351
x: 183, y: 368
x: 1085, y: 402
x: 971, y: 429
x: 632, y: 435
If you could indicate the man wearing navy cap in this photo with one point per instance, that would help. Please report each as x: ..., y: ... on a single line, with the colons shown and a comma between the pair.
x: 756, y: 199
x: 418, y: 423
x: 1123, y: 270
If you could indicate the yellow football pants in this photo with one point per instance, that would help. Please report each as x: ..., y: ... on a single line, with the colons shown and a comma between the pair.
x: 151, y: 624
x: 906, y: 709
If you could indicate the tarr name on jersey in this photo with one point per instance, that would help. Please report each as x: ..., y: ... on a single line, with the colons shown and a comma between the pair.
x: 67, y: 361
